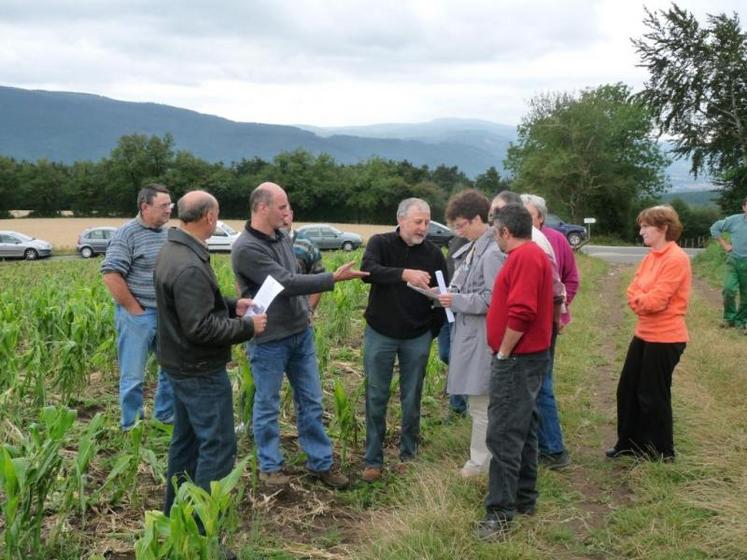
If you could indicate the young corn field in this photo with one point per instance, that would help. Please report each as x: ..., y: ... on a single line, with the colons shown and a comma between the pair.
x: 72, y: 485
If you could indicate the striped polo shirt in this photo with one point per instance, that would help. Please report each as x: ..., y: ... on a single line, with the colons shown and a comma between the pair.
x: 132, y: 253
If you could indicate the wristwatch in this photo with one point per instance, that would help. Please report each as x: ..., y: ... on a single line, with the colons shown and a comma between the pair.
x: 500, y: 356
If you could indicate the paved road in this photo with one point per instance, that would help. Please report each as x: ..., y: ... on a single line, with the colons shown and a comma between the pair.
x: 623, y: 255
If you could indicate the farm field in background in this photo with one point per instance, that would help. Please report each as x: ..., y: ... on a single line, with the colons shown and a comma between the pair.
x: 86, y: 487
x: 63, y: 232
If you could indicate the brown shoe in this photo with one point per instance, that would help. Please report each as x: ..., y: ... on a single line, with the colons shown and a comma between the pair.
x: 333, y: 479
x: 400, y: 468
x: 276, y: 478
x: 371, y: 474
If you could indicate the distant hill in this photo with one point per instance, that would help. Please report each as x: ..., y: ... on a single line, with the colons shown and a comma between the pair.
x: 68, y: 127
x: 694, y: 198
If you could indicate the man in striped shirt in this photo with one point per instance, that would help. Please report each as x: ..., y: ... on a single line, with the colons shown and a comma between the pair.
x: 127, y: 272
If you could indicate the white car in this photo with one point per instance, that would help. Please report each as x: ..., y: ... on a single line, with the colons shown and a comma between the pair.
x: 223, y: 238
x: 19, y: 245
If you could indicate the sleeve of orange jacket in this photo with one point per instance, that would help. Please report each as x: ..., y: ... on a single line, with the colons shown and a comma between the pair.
x: 673, y: 272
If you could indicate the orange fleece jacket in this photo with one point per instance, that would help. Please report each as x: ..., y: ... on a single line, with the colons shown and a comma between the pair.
x: 660, y: 293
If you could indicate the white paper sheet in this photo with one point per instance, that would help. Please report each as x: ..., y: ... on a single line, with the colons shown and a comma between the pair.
x: 267, y: 292
x: 442, y: 288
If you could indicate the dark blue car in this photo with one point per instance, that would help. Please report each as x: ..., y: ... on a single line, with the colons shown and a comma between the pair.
x: 576, y: 235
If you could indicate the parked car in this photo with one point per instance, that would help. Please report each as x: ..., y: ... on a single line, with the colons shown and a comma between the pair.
x: 325, y: 236
x: 222, y: 238
x: 439, y: 234
x: 94, y: 241
x: 575, y: 234
x: 20, y: 245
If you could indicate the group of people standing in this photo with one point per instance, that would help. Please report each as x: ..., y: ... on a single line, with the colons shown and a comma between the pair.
x: 509, y: 295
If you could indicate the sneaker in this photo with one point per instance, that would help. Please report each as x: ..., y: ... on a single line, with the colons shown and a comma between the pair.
x: 555, y: 461
x: 276, y: 478
x: 333, y: 479
x: 400, y: 468
x: 492, y: 529
x: 471, y: 472
x: 614, y: 452
x: 371, y: 474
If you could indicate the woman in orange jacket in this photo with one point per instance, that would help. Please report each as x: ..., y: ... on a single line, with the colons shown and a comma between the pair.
x: 659, y: 296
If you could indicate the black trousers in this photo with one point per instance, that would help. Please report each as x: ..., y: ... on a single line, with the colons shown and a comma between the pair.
x: 644, y: 398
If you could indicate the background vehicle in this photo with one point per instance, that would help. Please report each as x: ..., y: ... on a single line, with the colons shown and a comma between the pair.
x: 325, y: 236
x: 94, y: 241
x: 20, y: 245
x: 439, y: 234
x: 222, y: 238
x: 575, y: 234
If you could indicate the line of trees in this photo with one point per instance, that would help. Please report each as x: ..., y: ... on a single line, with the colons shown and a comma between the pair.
x: 318, y: 186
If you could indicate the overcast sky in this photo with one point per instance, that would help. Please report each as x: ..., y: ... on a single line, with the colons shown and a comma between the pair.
x: 328, y: 62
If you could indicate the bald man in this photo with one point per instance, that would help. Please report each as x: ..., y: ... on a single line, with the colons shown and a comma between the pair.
x: 196, y: 328
x: 287, y: 345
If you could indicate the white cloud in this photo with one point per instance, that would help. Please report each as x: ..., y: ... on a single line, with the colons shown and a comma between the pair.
x: 331, y: 62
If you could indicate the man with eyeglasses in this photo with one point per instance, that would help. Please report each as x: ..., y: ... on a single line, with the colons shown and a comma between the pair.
x: 127, y: 272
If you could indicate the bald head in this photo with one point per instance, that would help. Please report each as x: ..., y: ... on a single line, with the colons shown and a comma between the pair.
x: 270, y: 208
x: 195, y: 205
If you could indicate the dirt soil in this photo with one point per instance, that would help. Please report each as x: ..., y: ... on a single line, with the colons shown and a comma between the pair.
x: 63, y: 232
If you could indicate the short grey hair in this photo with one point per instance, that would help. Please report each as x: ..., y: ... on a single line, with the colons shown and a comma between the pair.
x: 148, y: 193
x: 260, y: 195
x: 538, y: 202
x: 404, y: 207
x: 193, y: 211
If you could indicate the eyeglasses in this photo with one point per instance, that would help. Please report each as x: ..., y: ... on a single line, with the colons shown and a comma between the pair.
x: 461, y: 224
x: 164, y: 206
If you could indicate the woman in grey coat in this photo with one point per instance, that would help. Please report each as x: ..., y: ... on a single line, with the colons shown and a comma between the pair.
x: 476, y: 266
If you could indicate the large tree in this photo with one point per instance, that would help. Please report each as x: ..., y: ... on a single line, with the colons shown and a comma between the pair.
x: 590, y: 154
x: 697, y: 90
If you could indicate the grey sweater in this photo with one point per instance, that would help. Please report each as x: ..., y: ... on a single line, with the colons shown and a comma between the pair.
x: 255, y: 255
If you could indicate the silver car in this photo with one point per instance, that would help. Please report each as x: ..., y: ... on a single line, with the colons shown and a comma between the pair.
x: 94, y: 241
x: 325, y: 236
x: 20, y: 245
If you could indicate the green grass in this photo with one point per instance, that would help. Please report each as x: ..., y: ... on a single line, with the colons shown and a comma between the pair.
x: 695, y: 508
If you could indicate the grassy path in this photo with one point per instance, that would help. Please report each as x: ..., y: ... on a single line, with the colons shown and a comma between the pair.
x: 695, y: 508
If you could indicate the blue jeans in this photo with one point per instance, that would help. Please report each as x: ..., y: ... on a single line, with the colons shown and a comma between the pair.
x: 379, y: 352
x: 457, y: 403
x: 549, y: 434
x: 203, y: 444
x: 512, y: 433
x: 294, y: 356
x: 136, y: 339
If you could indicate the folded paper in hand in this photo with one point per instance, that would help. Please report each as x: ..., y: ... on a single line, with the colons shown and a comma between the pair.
x: 267, y: 292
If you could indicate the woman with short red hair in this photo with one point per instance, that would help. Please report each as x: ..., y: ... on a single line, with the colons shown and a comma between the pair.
x: 659, y: 296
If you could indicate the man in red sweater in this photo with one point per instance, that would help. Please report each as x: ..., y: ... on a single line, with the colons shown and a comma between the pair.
x: 519, y: 325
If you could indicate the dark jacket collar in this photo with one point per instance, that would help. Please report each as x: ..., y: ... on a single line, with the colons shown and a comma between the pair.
x: 176, y: 235
x: 279, y: 235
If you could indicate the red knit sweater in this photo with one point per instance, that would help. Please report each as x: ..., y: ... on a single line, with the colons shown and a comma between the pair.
x: 522, y: 300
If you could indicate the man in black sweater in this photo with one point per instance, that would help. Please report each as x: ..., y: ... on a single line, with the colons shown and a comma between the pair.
x: 401, y: 324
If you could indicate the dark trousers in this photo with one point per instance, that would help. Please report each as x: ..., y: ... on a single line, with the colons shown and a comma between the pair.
x: 379, y: 352
x: 512, y: 433
x: 457, y: 403
x: 644, y: 398
x: 203, y: 444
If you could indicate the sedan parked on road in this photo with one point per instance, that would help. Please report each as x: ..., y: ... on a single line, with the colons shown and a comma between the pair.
x: 94, y: 241
x: 575, y: 234
x: 222, y: 238
x: 325, y: 236
x: 22, y: 246
x: 439, y: 234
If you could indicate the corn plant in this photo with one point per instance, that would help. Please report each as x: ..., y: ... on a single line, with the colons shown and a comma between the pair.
x: 28, y: 473
x: 345, y: 420
x: 246, y: 391
x: 193, y: 528
x: 75, y: 494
